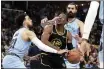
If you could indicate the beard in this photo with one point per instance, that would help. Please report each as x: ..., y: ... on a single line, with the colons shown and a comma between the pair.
x: 71, y: 15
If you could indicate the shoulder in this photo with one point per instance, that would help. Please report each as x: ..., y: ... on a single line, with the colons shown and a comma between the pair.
x: 28, y: 35
x: 80, y: 23
x: 27, y: 32
x: 48, y: 28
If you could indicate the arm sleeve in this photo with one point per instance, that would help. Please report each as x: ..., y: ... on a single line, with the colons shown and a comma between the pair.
x: 90, y: 18
x: 42, y: 46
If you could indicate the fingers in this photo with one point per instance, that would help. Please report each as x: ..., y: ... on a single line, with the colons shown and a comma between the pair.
x: 88, y: 48
x: 82, y: 47
x: 65, y: 51
x: 44, y: 20
x: 85, y: 47
x: 55, y: 18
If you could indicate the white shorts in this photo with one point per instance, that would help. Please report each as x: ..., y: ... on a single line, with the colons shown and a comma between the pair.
x: 10, y: 61
x: 69, y: 65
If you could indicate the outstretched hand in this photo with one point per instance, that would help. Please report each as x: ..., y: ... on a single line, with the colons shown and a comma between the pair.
x: 84, y: 47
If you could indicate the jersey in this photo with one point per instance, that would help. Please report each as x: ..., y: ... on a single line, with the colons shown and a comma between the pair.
x: 52, y: 59
x: 58, y: 40
x: 18, y: 45
x: 73, y: 28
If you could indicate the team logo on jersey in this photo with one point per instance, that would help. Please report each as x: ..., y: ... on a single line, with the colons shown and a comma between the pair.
x: 56, y: 42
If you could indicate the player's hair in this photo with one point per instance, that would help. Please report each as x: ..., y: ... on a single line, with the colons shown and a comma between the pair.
x: 20, y: 18
x: 72, y: 3
x: 58, y: 12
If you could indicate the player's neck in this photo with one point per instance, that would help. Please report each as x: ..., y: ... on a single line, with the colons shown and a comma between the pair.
x: 70, y: 20
x: 25, y: 26
x: 60, y: 27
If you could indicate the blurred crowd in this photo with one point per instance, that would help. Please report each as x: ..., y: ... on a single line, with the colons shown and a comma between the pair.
x: 37, y: 12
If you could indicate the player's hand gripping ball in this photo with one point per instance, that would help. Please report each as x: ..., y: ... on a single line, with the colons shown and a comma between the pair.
x: 73, y: 56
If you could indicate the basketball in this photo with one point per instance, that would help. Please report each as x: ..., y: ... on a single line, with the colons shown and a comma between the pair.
x: 73, y: 56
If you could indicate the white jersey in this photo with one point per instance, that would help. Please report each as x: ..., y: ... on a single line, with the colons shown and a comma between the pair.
x: 18, y: 45
x: 73, y: 28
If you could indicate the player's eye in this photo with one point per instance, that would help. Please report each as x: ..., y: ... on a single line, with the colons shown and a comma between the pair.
x: 68, y: 7
x: 72, y: 8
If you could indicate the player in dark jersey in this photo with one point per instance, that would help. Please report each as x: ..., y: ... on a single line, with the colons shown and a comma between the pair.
x: 56, y: 37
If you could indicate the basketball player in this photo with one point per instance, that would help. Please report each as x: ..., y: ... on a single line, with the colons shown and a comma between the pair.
x: 74, y: 25
x: 56, y: 37
x: 20, y: 44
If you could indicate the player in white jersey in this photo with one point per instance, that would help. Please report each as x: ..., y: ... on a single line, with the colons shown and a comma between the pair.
x: 20, y: 44
x: 74, y: 25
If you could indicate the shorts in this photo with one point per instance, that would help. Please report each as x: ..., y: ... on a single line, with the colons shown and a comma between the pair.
x: 69, y: 65
x: 53, y: 61
x: 11, y: 61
